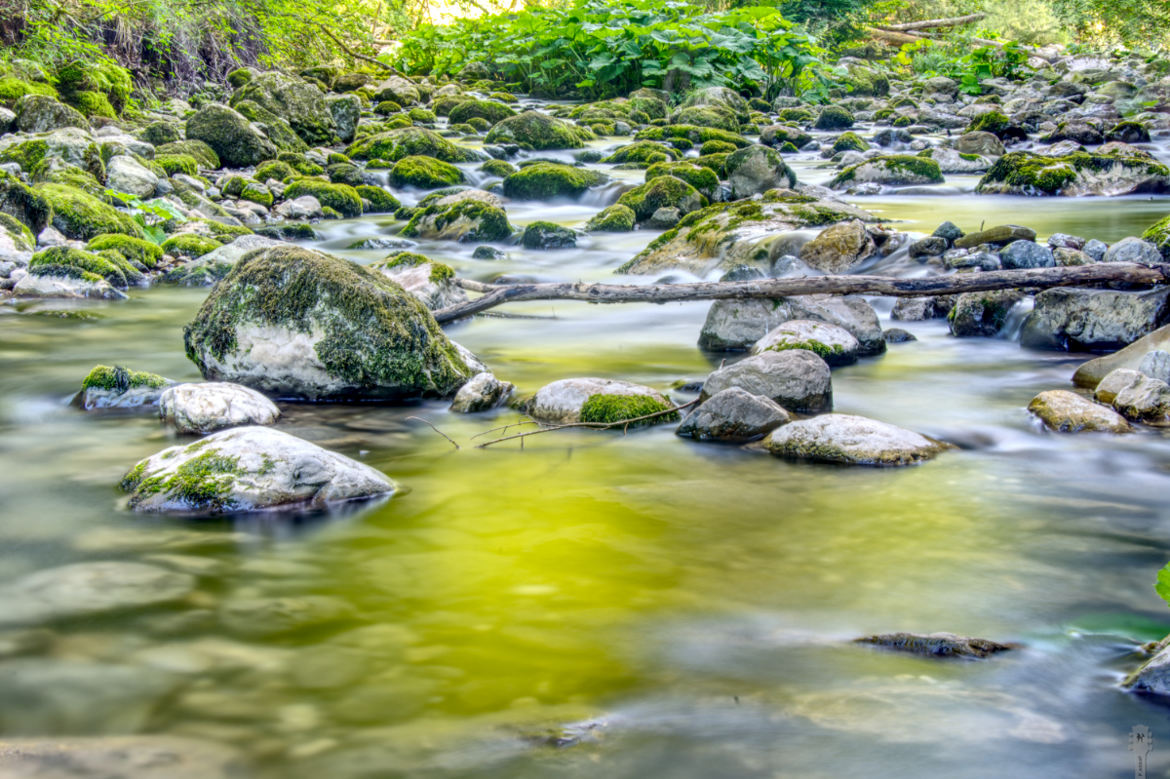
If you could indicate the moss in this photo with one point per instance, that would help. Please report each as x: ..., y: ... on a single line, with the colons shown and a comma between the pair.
x: 82, y: 216
x: 700, y: 177
x: 300, y: 163
x: 134, y: 250
x: 381, y: 201
x: 716, y: 147
x: 849, y: 142
x: 337, y: 158
x: 108, y: 79
x: 833, y: 117
x: 345, y: 173
x: 614, y: 219
x: 707, y: 116
x: 18, y: 231
x: 822, y: 350
x: 664, y: 191
x: 610, y: 409
x: 692, y: 134
x: 240, y: 76
x: 275, y: 169
x: 440, y: 272
x: 12, y: 89
x: 424, y: 173
x: 408, y: 142
x: 490, y: 223
x: 190, y: 245
x: 23, y: 203
x: 119, y: 379
x: 497, y: 168
x: 547, y: 235
x: 918, y: 170
x: 224, y: 232
x: 257, y: 193
x: 93, y: 104
x: 374, y: 335
x: 547, y: 180
x: 534, y: 130
x: 177, y: 163
x: 387, y: 107
x: 341, y: 197
x: 799, y: 115
x: 111, y: 266
x: 1034, y: 174
x: 202, y: 483
x: 642, y: 153
x: 203, y: 154
x: 29, y: 155
x: 421, y: 115
x: 1159, y: 235
x: 288, y: 232
x: 990, y: 122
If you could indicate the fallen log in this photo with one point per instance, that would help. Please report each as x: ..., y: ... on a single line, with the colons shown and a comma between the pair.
x: 1036, y: 278
x: 902, y: 38
x: 927, y: 24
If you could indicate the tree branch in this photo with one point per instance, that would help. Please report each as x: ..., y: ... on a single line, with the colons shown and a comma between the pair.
x: 927, y: 24
x: 353, y: 53
x: 1083, y: 275
x: 624, y: 423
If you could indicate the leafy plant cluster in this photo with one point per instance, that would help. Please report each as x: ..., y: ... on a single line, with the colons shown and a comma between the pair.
x: 597, y: 49
x: 969, y: 69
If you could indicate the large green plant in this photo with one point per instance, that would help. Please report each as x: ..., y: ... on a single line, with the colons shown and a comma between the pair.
x: 596, y: 49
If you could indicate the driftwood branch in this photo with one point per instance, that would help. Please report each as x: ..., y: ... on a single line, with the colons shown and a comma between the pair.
x: 1039, y: 278
x: 426, y: 422
x: 927, y: 24
x: 901, y: 38
x: 624, y: 424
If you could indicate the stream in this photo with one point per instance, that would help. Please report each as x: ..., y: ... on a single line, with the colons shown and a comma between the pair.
x: 599, y: 604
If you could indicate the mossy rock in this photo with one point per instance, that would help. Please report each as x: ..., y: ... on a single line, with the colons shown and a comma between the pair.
x: 459, y: 218
x: 112, y: 81
x: 190, y: 245
x: 692, y: 134
x: 1076, y: 174
x: 612, y: 409
x: 239, y: 77
x: 22, y: 238
x: 24, y: 204
x: 40, y: 113
x: 81, y: 216
x: 381, y: 201
x: 301, y: 104
x: 275, y: 129
x: 707, y: 116
x: 420, y: 115
x: 387, y: 107
x: 424, y: 173
x: 614, y: 219
x: 488, y: 110
x: 536, y: 131
x: 345, y: 173
x: 701, y: 177
x: 116, y: 379
x: 177, y: 163
x: 12, y: 89
x: 890, y: 169
x: 994, y: 122
x: 642, y: 154
x: 849, y: 141
x: 342, y: 198
x: 300, y: 163
x: 834, y: 117
x: 547, y: 235
x: 254, y: 192
x: 275, y: 169
x: 499, y: 168
x: 93, y: 104
x: 75, y: 263
x: 409, y: 142
x: 716, y: 147
x: 476, y: 124
x: 290, y: 231
x: 799, y: 115
x: 662, y: 192
x: 233, y: 138
x: 136, y: 250
x: 362, y: 335
x: 203, y: 154
x: 547, y: 180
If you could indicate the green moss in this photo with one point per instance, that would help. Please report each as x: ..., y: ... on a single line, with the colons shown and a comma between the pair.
x: 189, y: 245
x: 93, y: 104
x: 824, y: 351
x: 833, y: 117
x: 134, y: 250
x: 82, y: 216
x: 497, y: 168
x: 111, y: 266
x: 799, y: 115
x: 240, y: 76
x: 300, y: 163
x: 614, y: 219
x: 990, y: 122
x: 177, y: 163
x: 29, y: 155
x: 202, y: 483
x: 345, y: 173
x: 692, y: 134
x: 224, y: 232
x: 275, y: 169
x: 12, y: 89
x: 257, y: 193
x: 424, y: 173
x: 700, y: 177
x: 106, y: 78
x: 341, y: 197
x: 1034, y: 174
x: 1159, y: 235
x: 642, y: 154
x: 19, y: 231
x: 716, y: 147
x: 381, y: 201
x: 707, y: 116
x: 409, y: 142
x: 23, y: 203
x: 534, y: 130
x: 203, y: 154
x: 547, y: 180
x: 610, y: 409
x: 491, y: 223
x: 440, y: 272
x: 917, y: 170
x: 664, y: 191
x: 119, y: 379
x: 849, y: 142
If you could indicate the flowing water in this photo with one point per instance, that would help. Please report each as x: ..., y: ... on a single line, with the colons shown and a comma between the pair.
x: 601, y: 605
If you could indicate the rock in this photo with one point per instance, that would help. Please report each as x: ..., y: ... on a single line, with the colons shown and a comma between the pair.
x: 86, y: 590
x: 346, y: 111
x: 294, y: 322
x: 1093, y: 319
x: 737, y: 324
x: 851, y: 440
x: 260, y: 617
x: 63, y: 287
x: 105, y: 757
x: 1068, y: 412
x: 549, y: 180
x: 889, y: 170
x: 1136, y: 396
x: 1133, y: 249
x: 301, y: 208
x: 833, y: 344
x: 597, y: 400
x: 547, y: 235
x: 1000, y: 235
x: 921, y: 309
x: 433, y: 283
x: 1158, y: 234
x: 753, y: 170
x: 24, y: 204
x: 662, y: 192
x: 982, y: 314
x: 116, y: 387
x: 954, y: 161
x: 534, y: 130
x: 931, y: 246
x: 982, y: 143
x: 402, y: 142
x: 664, y: 218
x: 424, y: 173
x: 833, y: 117
x: 488, y: 110
x: 1090, y: 373
x: 294, y: 100
x: 936, y: 644
x: 203, y: 408
x: 613, y: 219
x: 482, y: 393
x: 1153, y: 677
x: 469, y: 216
x: 217, y: 263
x: 247, y: 469
x: 1116, y: 381
x: 797, y: 379
x: 1026, y: 254
x: 125, y: 174
x: 40, y: 113
x: 234, y: 139
x: 733, y: 415
x: 839, y: 248
x: 1076, y: 174
x: 896, y: 335
x: 1156, y: 365
x: 81, y: 216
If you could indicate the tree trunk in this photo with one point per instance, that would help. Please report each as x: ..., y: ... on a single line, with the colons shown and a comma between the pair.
x: 1039, y: 278
x: 927, y: 24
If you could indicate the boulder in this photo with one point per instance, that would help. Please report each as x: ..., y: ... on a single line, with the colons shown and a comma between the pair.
x: 346, y: 111
x: 839, y: 248
x: 294, y: 100
x: 234, y: 139
x: 1136, y: 396
x: 297, y: 323
x: 662, y: 192
x: 832, y: 343
x: 1068, y: 412
x: 733, y: 415
x: 213, y: 265
x: 401, y: 90
x: 796, y: 379
x: 612, y: 219
x: 534, y: 130
x: 1158, y: 234
x: 65, y: 287
x: 892, y: 170
x: 204, y: 408
x: 248, y: 469
x: 470, y: 215
x: 393, y: 145
x: 982, y: 314
x: 755, y: 169
x: 1156, y: 365
x: 125, y: 174
x: 24, y: 204
x: 982, y: 143
x: 734, y: 325
x: 40, y: 113
x: 1093, y: 319
x: 851, y: 440
x: 1077, y: 174
x: 597, y: 400
x: 548, y: 180
x: 482, y: 393
x: 116, y: 387
x: 1133, y: 249
x: 547, y: 235
x: 1090, y: 373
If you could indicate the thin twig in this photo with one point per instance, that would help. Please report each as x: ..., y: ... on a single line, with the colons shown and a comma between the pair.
x: 623, y: 423
x: 437, y: 430
x: 505, y: 428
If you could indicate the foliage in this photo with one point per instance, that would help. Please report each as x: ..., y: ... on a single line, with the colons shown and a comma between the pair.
x: 597, y: 49
x: 149, y: 214
x: 927, y: 58
x: 1163, y: 584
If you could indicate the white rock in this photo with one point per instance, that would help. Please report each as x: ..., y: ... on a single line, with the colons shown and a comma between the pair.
x: 834, y: 344
x: 482, y: 393
x: 303, y: 207
x: 560, y: 402
x: 126, y: 174
x: 142, y: 757
x: 851, y: 440
x: 202, y: 408
x: 63, y: 287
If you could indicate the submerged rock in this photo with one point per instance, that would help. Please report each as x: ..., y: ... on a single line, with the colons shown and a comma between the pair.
x: 203, y: 408
x: 796, y: 379
x: 1088, y: 319
x: 1068, y: 412
x: 851, y: 440
x: 298, y: 323
x: 597, y: 400
x: 143, y: 757
x: 733, y: 415
x: 482, y: 393
x: 246, y: 469
x: 936, y: 644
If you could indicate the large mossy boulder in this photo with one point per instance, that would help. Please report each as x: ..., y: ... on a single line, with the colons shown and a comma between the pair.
x: 753, y: 170
x: 78, y: 264
x: 488, y: 110
x: 298, y: 323
x: 346, y: 111
x: 342, y: 198
x: 702, y: 178
x: 81, y: 216
x: 294, y: 100
x: 24, y: 204
x: 234, y: 139
x: 893, y: 170
x: 641, y: 154
x: 470, y: 215
x: 536, y: 131
x: 1124, y: 171
x: 548, y: 180
x: 41, y: 113
x: 249, y: 469
x: 424, y: 173
x: 393, y: 145
x: 662, y: 192
x: 275, y: 128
